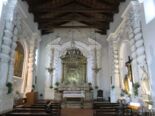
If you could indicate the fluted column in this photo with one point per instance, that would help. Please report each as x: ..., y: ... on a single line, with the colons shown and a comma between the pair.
x: 139, y: 64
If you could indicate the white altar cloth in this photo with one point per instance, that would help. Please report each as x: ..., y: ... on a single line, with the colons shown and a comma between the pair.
x: 73, y: 94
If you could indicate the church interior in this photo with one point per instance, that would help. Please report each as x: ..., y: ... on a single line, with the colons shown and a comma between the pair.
x: 77, y: 57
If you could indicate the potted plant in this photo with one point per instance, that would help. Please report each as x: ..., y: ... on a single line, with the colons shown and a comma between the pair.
x: 113, y: 86
x: 51, y: 86
x: 9, y: 86
x: 33, y: 86
x: 57, y: 84
x: 135, y: 88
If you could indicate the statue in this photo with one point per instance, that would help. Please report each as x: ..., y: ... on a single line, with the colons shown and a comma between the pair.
x: 128, y: 80
x: 145, y: 81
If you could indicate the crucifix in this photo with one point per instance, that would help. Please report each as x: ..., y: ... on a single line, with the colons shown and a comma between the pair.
x: 129, y: 67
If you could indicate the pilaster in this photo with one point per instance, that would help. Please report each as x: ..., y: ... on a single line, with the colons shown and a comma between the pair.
x: 7, y: 50
x: 31, y: 64
x: 115, y: 93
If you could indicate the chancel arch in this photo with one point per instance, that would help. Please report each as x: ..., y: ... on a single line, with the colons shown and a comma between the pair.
x: 20, y: 66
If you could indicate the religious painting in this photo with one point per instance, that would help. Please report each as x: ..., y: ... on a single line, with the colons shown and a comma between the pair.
x: 74, y: 67
x: 19, y: 60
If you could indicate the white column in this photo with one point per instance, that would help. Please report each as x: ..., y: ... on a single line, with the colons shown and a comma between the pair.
x: 6, y: 53
x: 115, y: 93
x: 12, y: 55
x: 56, y: 66
x: 31, y: 65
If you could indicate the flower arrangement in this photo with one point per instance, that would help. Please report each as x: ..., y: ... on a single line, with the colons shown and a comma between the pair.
x: 135, y: 88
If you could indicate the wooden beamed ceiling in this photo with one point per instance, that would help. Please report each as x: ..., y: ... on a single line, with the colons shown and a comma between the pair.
x: 52, y: 14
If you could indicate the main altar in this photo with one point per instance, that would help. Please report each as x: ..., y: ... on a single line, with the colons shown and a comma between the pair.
x: 73, y: 88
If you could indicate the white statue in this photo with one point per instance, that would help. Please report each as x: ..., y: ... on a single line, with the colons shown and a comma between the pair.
x: 145, y: 81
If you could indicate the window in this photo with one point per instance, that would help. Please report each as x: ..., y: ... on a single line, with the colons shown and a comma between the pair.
x: 36, y: 57
x: 149, y: 9
x: 2, y: 2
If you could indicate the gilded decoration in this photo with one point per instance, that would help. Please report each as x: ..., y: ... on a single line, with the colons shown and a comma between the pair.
x: 74, y: 67
x: 128, y: 80
x: 19, y: 59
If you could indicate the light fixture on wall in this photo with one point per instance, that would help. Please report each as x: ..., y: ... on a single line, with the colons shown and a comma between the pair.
x: 51, y: 68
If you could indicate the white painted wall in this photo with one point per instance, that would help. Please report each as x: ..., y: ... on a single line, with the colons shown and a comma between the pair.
x: 149, y: 38
x: 104, y: 75
x: 117, y: 17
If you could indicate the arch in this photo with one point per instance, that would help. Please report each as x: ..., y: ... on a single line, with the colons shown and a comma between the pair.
x: 87, y: 49
x: 21, y: 80
x: 123, y: 58
x: 24, y: 73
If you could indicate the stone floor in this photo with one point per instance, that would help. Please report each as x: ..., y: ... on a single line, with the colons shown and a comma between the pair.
x: 76, y: 112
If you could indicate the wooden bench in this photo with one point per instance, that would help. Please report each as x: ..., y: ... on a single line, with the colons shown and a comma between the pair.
x: 110, y: 109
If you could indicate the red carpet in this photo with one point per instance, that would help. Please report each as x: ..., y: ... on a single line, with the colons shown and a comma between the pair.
x: 76, y: 112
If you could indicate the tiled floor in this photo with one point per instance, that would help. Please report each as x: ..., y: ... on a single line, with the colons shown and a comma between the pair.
x: 76, y: 112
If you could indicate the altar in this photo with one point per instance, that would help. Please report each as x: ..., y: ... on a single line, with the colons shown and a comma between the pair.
x: 73, y: 87
x: 74, y: 97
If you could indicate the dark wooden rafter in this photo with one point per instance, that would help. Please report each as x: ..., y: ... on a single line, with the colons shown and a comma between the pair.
x: 52, y: 14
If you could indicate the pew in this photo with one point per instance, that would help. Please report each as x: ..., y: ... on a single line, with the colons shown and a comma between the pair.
x: 54, y: 108
x: 37, y: 109
x: 110, y: 109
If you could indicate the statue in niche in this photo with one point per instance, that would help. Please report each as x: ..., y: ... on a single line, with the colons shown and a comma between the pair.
x: 19, y: 60
x: 128, y: 80
x: 145, y: 81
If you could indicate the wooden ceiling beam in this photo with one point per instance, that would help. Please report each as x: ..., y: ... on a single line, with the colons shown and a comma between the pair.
x: 76, y: 17
x: 52, y: 10
x: 56, y: 4
x: 94, y: 4
x: 69, y: 20
x: 73, y: 27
